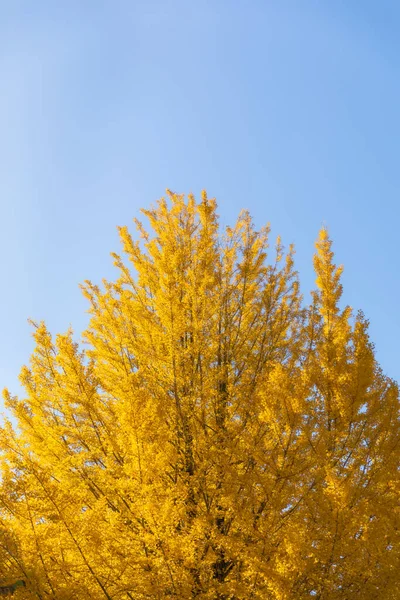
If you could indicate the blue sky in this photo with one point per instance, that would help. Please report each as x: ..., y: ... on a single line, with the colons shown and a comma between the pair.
x: 287, y: 108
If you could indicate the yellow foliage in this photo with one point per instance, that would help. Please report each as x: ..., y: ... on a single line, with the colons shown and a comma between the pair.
x: 216, y: 439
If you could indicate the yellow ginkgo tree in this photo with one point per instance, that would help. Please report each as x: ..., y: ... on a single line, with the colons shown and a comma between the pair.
x: 214, y: 438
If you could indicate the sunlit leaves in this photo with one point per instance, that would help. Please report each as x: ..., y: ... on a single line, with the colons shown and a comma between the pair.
x: 216, y: 439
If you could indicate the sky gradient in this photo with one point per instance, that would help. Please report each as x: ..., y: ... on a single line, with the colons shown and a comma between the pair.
x: 289, y: 109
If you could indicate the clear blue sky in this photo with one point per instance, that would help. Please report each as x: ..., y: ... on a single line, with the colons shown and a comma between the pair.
x: 287, y: 108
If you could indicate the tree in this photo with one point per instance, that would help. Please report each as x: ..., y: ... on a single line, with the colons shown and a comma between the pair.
x: 217, y: 439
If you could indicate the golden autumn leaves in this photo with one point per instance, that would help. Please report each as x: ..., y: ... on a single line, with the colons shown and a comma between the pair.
x: 216, y: 439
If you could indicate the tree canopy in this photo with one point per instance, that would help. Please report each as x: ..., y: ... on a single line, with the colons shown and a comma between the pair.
x: 215, y: 437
